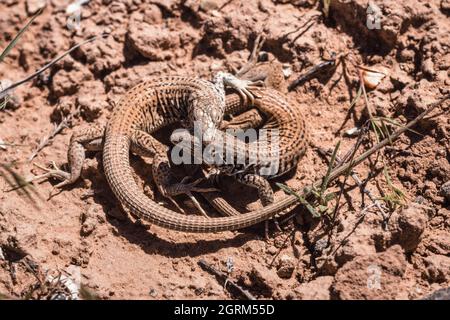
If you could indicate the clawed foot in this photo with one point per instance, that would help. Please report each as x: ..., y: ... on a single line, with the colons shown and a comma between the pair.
x: 187, y: 189
x: 54, y: 172
x: 243, y: 88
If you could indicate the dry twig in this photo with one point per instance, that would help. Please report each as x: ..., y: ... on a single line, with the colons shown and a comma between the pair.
x: 207, y: 267
x: 45, y: 141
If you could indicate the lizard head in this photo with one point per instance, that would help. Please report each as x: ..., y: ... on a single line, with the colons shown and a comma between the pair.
x: 205, y: 116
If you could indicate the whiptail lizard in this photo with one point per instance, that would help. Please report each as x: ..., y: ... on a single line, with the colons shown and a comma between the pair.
x: 251, y: 163
x: 144, y: 109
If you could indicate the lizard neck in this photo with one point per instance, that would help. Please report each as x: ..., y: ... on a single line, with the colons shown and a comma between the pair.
x: 219, y: 80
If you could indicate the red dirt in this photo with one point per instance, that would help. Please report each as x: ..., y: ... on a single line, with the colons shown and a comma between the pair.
x: 368, y: 257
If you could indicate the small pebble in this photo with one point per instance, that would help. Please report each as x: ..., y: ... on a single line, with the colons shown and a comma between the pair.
x: 445, y: 190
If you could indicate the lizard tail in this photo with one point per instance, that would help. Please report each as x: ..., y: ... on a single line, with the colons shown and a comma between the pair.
x: 116, y: 162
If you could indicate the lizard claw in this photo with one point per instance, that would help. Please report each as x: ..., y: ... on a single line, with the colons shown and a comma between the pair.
x: 241, y: 86
x: 53, y: 172
x: 246, y: 86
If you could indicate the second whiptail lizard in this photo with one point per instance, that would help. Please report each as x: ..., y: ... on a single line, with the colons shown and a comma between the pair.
x: 279, y: 115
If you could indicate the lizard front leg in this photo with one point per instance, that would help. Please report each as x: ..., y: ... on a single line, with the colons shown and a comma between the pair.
x: 89, y: 139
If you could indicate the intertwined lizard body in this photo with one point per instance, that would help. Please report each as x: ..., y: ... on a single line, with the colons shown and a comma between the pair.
x: 251, y: 163
x: 277, y: 115
x: 143, y: 110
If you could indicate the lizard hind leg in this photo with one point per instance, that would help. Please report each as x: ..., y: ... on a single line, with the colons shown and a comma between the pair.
x: 265, y: 193
x: 90, y: 139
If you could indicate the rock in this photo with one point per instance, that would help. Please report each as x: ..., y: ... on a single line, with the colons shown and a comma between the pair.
x: 89, y: 220
x: 263, y: 279
x: 445, y: 190
x: 155, y: 42
x: 439, y: 242
x: 33, y: 6
x: 286, y: 266
x: 375, y: 276
x: 407, y: 226
x: 428, y: 68
x: 441, y: 294
x: 209, y: 5
x: 272, y: 250
x: 437, y: 268
x: 317, y: 289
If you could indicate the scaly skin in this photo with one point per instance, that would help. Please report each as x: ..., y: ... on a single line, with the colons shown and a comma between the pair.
x: 282, y: 116
x: 118, y: 173
x: 143, y: 110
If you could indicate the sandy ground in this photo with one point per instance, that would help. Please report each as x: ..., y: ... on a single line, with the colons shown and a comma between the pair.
x: 403, y: 253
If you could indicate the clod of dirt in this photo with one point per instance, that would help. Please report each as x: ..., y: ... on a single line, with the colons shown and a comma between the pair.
x: 445, y: 6
x: 83, y: 255
x: 89, y: 220
x: 439, y: 170
x: 376, y: 276
x: 445, y: 190
x: 286, y: 266
x: 157, y: 41
x: 326, y: 265
x: 33, y: 6
x: 437, y: 268
x: 92, y: 100
x: 263, y: 279
x: 408, y: 226
x: 399, y: 78
x: 417, y: 100
x: 317, y: 289
x: 103, y: 56
x: 380, y: 25
x: 67, y: 82
x: 439, y: 242
x: 209, y: 5
x: 428, y: 68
